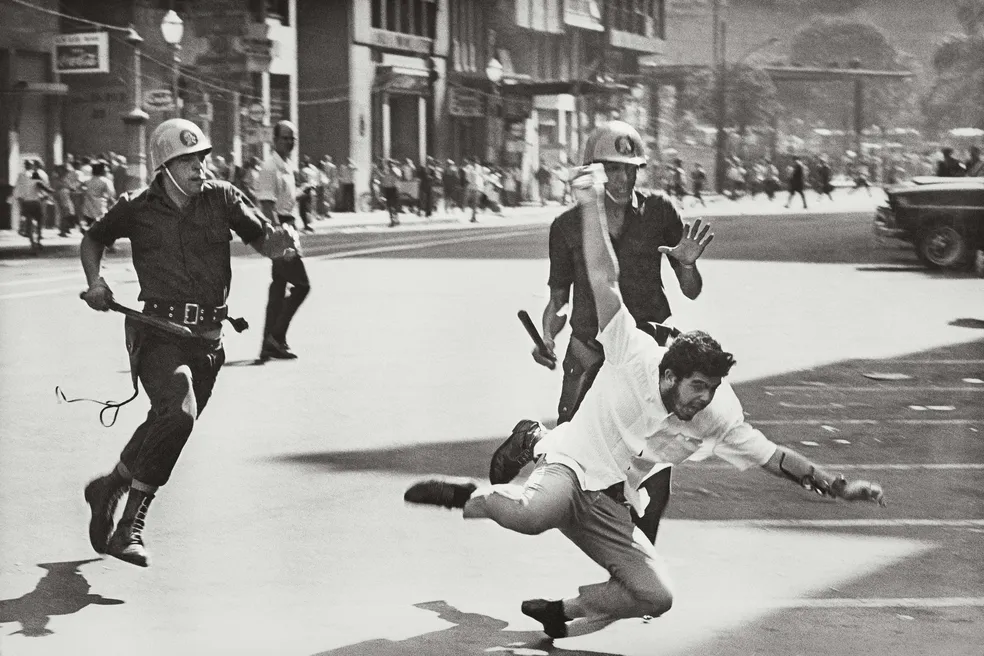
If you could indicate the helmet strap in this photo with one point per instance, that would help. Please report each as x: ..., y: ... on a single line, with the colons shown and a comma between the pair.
x: 173, y: 181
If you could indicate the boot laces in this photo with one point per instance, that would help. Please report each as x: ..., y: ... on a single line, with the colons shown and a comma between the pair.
x: 138, y: 522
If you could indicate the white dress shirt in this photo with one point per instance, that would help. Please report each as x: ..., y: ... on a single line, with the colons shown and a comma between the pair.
x: 277, y: 183
x: 622, y: 432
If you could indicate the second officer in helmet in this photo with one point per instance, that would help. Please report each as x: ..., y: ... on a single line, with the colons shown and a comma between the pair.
x: 643, y: 227
x: 180, y: 228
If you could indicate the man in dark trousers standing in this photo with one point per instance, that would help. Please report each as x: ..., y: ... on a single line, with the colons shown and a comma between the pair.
x: 277, y: 193
x: 797, y: 181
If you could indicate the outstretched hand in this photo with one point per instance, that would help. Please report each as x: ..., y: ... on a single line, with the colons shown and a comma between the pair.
x: 692, y: 246
x: 860, y: 491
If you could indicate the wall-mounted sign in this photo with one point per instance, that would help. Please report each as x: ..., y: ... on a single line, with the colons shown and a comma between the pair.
x: 86, y: 52
x: 158, y: 100
x: 399, y: 41
x: 465, y: 102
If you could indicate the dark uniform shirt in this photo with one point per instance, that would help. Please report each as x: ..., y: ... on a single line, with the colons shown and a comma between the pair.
x: 651, y: 221
x: 182, y: 255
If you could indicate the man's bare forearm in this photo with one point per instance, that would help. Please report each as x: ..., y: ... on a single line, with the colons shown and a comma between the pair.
x: 91, y: 254
x: 691, y: 282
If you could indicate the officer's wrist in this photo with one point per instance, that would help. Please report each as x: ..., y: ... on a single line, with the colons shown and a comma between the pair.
x: 99, y: 282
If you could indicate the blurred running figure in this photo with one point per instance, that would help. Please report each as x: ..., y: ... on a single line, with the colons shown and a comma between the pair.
x: 649, y: 406
x: 797, y: 181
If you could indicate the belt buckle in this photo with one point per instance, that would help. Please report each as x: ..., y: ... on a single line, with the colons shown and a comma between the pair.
x: 192, y: 314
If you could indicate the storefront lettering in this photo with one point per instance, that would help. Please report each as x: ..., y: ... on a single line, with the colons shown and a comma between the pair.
x: 78, y: 57
x: 399, y: 41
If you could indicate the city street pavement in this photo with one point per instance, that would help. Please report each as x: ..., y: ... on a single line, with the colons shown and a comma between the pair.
x: 283, y: 530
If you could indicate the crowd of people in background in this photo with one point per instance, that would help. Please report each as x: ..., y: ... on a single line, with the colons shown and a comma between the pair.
x: 75, y: 194
x: 747, y: 178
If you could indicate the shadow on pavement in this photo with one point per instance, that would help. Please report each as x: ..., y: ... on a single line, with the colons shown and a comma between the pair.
x: 468, y: 458
x: 471, y: 634
x: 62, y: 591
x: 968, y: 323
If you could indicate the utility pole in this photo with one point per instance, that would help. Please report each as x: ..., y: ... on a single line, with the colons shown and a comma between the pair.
x: 720, y: 77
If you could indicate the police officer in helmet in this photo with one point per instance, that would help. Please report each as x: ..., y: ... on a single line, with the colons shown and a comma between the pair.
x: 644, y: 226
x: 180, y: 228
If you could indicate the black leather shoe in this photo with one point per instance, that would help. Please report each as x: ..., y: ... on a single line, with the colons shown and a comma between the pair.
x: 440, y: 493
x: 274, y: 349
x: 515, y: 453
x: 548, y: 613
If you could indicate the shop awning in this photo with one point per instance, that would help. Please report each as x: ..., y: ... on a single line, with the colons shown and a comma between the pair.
x: 41, y: 88
x: 555, y: 87
x: 401, y: 79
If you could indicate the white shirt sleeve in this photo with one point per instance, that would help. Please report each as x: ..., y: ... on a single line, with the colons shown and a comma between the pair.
x: 266, y: 184
x: 623, y: 341
x: 737, y: 442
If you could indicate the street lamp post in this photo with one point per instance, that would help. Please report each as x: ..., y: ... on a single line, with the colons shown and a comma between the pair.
x: 172, y: 27
x: 136, y: 119
x: 494, y: 73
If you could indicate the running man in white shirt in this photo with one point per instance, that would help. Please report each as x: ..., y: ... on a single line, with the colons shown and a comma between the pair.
x: 649, y: 406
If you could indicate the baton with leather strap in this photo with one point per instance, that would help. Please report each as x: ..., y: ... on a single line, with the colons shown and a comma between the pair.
x: 156, y: 322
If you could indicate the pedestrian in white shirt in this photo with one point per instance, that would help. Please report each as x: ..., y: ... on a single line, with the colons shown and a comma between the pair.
x: 649, y: 407
x: 277, y: 194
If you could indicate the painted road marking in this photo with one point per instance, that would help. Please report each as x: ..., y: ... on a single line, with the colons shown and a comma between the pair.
x: 419, y: 245
x: 930, y: 361
x: 812, y: 389
x: 886, y: 602
x: 39, y: 281
x: 389, y: 248
x: 949, y: 466
x: 864, y: 422
x: 848, y: 523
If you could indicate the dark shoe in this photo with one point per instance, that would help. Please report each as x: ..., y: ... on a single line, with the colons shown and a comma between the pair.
x: 127, y: 541
x: 103, y: 496
x: 515, y: 453
x: 272, y: 348
x: 440, y: 493
x: 548, y: 613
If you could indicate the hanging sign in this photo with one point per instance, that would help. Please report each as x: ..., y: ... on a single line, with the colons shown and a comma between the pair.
x: 86, y: 52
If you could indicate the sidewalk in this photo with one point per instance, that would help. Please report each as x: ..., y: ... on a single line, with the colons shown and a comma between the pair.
x: 13, y: 245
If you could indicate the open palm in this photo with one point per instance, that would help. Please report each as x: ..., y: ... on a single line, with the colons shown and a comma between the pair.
x: 694, y: 241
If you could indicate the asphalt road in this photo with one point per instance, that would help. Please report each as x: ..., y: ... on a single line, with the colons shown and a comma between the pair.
x: 283, y: 529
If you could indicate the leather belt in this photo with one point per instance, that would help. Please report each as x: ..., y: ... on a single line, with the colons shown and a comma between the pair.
x: 188, y: 314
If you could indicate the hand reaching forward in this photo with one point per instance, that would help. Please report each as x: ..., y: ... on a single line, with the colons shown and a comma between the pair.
x: 692, y: 245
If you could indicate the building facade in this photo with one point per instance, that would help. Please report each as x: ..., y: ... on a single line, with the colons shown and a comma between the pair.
x: 31, y: 95
x: 373, y: 80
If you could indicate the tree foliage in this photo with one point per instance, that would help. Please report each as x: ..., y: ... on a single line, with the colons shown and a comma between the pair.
x: 833, y: 42
x: 750, y: 99
x: 956, y: 98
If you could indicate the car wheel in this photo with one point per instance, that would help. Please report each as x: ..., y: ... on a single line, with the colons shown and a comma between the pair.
x: 942, y: 246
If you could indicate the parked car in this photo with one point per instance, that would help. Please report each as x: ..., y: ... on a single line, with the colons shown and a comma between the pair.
x: 943, y: 218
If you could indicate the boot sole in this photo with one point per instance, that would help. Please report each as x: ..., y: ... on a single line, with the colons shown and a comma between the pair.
x: 499, y: 456
x: 99, y: 549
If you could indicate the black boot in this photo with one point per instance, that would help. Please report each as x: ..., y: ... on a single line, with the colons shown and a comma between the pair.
x: 127, y: 541
x: 103, y: 495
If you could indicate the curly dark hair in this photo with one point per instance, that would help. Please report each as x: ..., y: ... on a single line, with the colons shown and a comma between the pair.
x: 696, y: 351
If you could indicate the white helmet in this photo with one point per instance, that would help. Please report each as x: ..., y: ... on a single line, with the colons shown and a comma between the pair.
x: 176, y: 137
x: 615, y: 141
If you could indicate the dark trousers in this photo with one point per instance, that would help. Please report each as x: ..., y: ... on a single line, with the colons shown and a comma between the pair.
x: 282, y: 306
x: 347, y: 202
x: 178, y: 376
